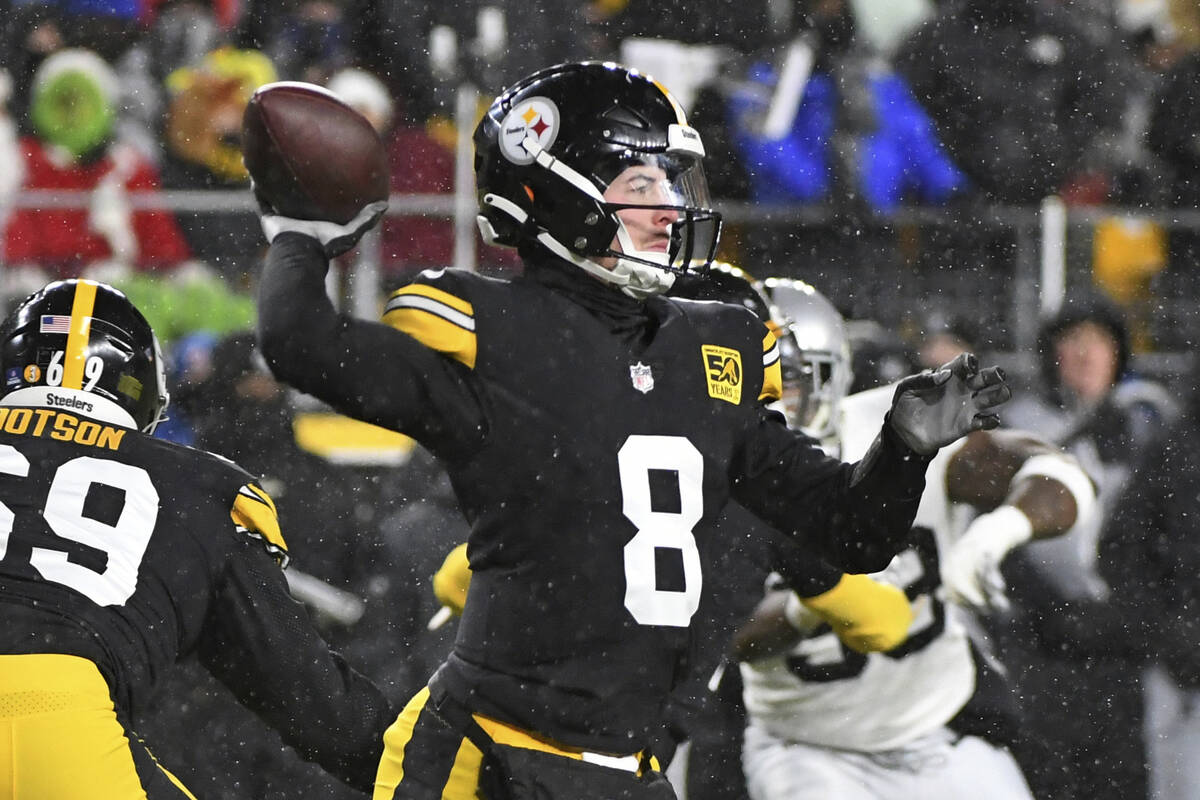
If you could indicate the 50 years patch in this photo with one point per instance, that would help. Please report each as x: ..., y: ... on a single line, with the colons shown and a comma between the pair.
x: 723, y: 368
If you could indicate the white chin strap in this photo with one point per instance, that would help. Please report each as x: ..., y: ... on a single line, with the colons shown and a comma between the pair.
x: 639, y: 281
x: 644, y: 280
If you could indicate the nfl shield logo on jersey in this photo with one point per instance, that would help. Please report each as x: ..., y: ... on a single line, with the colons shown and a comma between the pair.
x: 642, y: 379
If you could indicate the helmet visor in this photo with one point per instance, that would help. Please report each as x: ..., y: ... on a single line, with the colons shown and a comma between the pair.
x: 665, y: 198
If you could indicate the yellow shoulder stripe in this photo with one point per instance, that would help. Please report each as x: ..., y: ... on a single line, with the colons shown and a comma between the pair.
x: 254, y: 513
x: 439, y: 295
x: 772, y: 388
x: 436, y: 319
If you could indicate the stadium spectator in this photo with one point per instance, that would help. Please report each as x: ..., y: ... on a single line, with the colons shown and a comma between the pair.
x: 1175, y: 115
x: 942, y: 337
x: 855, y: 138
x: 32, y: 31
x: 1016, y: 90
x: 73, y: 108
x: 202, y: 151
x: 1149, y: 558
x: 1080, y: 682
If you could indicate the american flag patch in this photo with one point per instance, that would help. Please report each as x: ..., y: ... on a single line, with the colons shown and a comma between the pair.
x: 55, y: 323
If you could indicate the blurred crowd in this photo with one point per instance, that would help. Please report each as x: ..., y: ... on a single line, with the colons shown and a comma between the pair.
x: 855, y: 110
x: 851, y: 110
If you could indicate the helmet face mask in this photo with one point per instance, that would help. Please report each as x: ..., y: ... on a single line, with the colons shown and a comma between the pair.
x: 79, y: 344
x: 550, y: 156
x: 815, y: 354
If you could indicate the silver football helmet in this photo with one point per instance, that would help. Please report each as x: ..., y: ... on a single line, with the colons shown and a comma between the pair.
x: 816, y: 363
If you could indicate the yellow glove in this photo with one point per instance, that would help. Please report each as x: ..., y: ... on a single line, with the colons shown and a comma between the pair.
x: 450, y: 584
x: 866, y: 614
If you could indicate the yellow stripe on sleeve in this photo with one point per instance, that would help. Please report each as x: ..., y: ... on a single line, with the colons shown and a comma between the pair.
x: 436, y: 319
x: 82, y: 308
x: 772, y: 388
x: 433, y: 293
x: 254, y: 513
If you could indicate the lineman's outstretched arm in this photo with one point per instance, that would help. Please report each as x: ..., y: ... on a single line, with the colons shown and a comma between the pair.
x: 260, y: 643
x: 1027, y: 490
x: 364, y: 369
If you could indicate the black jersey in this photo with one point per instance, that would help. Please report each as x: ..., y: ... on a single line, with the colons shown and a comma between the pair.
x: 592, y: 440
x: 131, y: 551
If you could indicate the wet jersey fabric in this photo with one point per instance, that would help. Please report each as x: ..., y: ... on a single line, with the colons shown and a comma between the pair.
x: 131, y: 552
x: 592, y: 441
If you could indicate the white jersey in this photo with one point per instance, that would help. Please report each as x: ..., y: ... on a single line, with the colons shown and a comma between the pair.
x: 824, y: 694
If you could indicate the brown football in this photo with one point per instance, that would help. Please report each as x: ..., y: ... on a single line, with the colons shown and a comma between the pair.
x: 312, y: 156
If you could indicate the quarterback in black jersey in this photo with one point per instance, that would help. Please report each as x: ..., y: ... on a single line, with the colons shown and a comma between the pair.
x: 120, y: 553
x: 592, y: 428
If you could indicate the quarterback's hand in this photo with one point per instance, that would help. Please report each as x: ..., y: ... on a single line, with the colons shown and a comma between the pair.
x: 450, y: 584
x: 334, y: 238
x: 971, y: 570
x: 866, y: 614
x: 936, y: 407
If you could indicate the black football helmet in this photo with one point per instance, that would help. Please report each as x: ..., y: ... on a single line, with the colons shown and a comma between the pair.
x: 551, y: 144
x: 726, y: 283
x: 81, y: 345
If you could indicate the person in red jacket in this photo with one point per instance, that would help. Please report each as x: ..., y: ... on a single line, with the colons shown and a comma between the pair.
x: 72, y: 113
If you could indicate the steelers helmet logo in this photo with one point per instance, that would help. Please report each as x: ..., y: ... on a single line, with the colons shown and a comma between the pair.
x: 533, y: 117
x: 33, y: 373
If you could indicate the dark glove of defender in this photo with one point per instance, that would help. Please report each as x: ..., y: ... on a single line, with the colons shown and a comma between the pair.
x: 934, y: 408
x: 334, y: 238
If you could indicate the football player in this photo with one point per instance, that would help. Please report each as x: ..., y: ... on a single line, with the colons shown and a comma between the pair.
x: 592, y: 429
x: 121, y: 553
x: 828, y: 720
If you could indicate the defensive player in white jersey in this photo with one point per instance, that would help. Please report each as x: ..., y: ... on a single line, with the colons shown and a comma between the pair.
x: 825, y: 720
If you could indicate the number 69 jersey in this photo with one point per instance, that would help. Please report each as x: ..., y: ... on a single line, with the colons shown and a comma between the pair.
x: 824, y: 694
x: 131, y: 551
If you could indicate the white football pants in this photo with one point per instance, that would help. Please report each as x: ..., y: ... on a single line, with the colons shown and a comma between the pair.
x: 939, y: 766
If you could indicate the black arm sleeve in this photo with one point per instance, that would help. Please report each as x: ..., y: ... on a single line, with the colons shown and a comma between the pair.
x: 364, y: 369
x: 260, y: 643
x: 857, y: 516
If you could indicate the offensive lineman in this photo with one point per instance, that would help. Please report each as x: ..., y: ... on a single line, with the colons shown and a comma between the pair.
x: 121, y: 553
x: 592, y: 430
x: 826, y: 721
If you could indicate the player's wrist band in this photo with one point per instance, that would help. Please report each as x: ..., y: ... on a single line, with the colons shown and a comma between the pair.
x: 1003, y: 529
x: 1065, y: 470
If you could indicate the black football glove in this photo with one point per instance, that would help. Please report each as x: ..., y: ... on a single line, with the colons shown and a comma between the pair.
x: 334, y: 238
x: 936, y: 407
